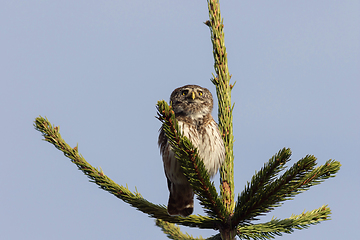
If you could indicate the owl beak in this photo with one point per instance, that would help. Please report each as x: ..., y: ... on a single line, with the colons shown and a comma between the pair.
x: 193, y: 95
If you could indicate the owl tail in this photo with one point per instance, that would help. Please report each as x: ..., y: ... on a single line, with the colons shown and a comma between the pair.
x: 181, y: 200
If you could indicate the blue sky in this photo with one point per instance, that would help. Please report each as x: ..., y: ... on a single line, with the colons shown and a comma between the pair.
x: 97, y: 69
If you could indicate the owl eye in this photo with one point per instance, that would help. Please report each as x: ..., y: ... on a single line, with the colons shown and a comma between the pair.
x: 200, y: 93
x: 185, y: 92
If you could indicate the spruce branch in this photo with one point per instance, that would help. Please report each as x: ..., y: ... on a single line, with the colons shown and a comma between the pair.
x: 52, y: 135
x: 223, y: 92
x: 215, y: 237
x: 300, y: 177
x: 173, y: 232
x: 276, y: 227
x: 191, y: 164
x: 261, y: 179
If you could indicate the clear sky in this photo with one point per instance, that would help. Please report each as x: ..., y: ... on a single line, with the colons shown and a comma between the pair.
x: 97, y: 69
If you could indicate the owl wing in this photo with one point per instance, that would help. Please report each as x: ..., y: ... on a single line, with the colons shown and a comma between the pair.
x: 172, y: 166
x: 181, y: 199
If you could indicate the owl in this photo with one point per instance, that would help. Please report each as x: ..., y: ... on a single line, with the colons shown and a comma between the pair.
x: 192, y: 105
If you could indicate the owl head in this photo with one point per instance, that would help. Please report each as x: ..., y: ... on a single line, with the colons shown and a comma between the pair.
x: 192, y: 101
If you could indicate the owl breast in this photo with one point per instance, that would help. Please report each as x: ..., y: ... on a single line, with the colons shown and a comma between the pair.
x: 206, y: 138
x: 209, y: 143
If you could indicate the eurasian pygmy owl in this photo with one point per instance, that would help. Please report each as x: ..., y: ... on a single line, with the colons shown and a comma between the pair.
x: 192, y: 105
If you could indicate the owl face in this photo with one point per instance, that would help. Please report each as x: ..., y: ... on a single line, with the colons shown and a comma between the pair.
x: 192, y: 101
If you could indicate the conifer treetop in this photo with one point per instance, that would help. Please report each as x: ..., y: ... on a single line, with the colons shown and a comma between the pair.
x: 268, y: 188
